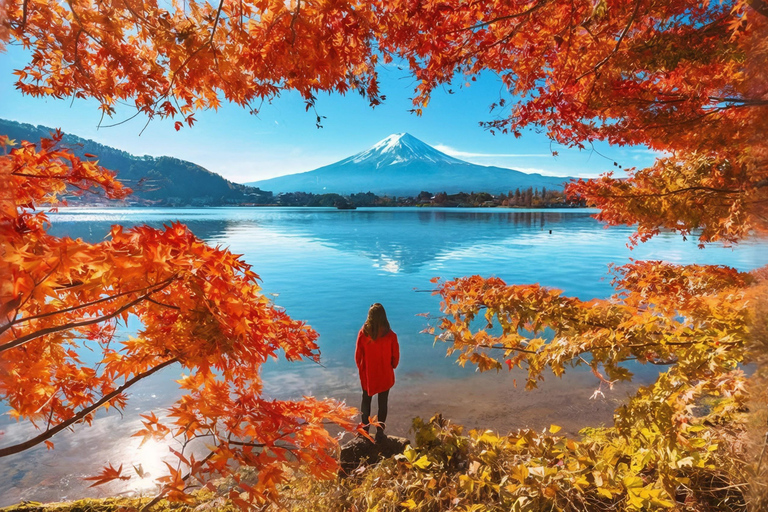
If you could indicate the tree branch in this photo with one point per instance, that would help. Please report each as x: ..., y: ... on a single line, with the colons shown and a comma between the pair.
x: 674, y: 192
x: 618, y: 43
x: 87, y: 304
x: 530, y: 10
x: 502, y: 347
x: 216, y: 22
x: 603, y: 347
x: 171, y: 306
x: 746, y: 102
x: 240, y: 443
x: 59, y: 328
x: 10, y: 450
x: 296, y: 14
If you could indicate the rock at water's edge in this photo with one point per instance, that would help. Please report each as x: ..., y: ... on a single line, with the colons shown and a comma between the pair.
x: 362, y: 451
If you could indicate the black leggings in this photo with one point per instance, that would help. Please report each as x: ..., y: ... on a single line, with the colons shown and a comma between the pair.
x: 365, y: 408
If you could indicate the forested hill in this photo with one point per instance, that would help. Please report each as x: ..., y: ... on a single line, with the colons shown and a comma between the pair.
x: 161, y: 180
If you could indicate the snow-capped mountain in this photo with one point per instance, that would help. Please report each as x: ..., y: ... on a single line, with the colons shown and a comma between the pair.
x: 400, y: 165
x: 399, y: 148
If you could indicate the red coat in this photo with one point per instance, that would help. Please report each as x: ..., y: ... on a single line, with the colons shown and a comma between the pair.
x: 376, y: 361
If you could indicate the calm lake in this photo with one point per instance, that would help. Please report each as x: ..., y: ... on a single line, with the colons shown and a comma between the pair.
x: 327, y: 267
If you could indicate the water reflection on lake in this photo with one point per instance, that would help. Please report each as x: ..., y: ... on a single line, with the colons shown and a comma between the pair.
x: 327, y: 266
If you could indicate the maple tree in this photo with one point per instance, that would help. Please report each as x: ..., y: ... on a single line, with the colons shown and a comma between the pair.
x: 200, y: 308
x: 692, y: 319
x: 680, y: 77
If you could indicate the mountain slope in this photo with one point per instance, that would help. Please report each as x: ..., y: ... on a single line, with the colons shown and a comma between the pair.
x: 401, y: 164
x: 163, y: 180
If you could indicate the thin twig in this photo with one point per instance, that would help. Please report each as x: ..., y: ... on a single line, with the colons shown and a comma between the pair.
x: 530, y: 10
x: 296, y: 14
x: 618, y: 43
x: 24, y: 15
x: 160, y: 496
x: 216, y: 22
x: 678, y: 191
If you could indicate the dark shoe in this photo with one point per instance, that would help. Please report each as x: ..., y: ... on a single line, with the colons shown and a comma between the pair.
x: 380, y: 435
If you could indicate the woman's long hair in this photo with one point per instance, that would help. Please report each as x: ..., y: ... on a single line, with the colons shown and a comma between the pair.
x: 377, y: 324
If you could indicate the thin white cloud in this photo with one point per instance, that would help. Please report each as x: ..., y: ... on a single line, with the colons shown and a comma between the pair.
x: 448, y: 150
x: 546, y: 172
x: 646, y: 151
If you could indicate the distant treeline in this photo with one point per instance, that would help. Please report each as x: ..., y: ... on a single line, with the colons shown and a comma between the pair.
x: 527, y: 198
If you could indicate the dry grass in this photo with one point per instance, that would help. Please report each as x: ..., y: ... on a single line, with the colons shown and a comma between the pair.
x: 752, y: 450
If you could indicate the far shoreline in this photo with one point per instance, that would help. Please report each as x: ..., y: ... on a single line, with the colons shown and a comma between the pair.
x: 113, y: 206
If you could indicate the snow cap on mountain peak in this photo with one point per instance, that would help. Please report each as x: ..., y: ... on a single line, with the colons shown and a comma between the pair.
x: 392, y: 142
x: 400, y: 148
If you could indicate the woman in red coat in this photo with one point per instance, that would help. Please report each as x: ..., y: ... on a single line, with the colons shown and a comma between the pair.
x: 377, y: 354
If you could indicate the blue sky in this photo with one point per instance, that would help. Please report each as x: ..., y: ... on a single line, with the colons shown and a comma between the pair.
x: 283, y: 139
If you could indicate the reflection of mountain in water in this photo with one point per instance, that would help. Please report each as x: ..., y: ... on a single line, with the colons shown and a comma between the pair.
x: 403, y: 241
x: 396, y: 240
